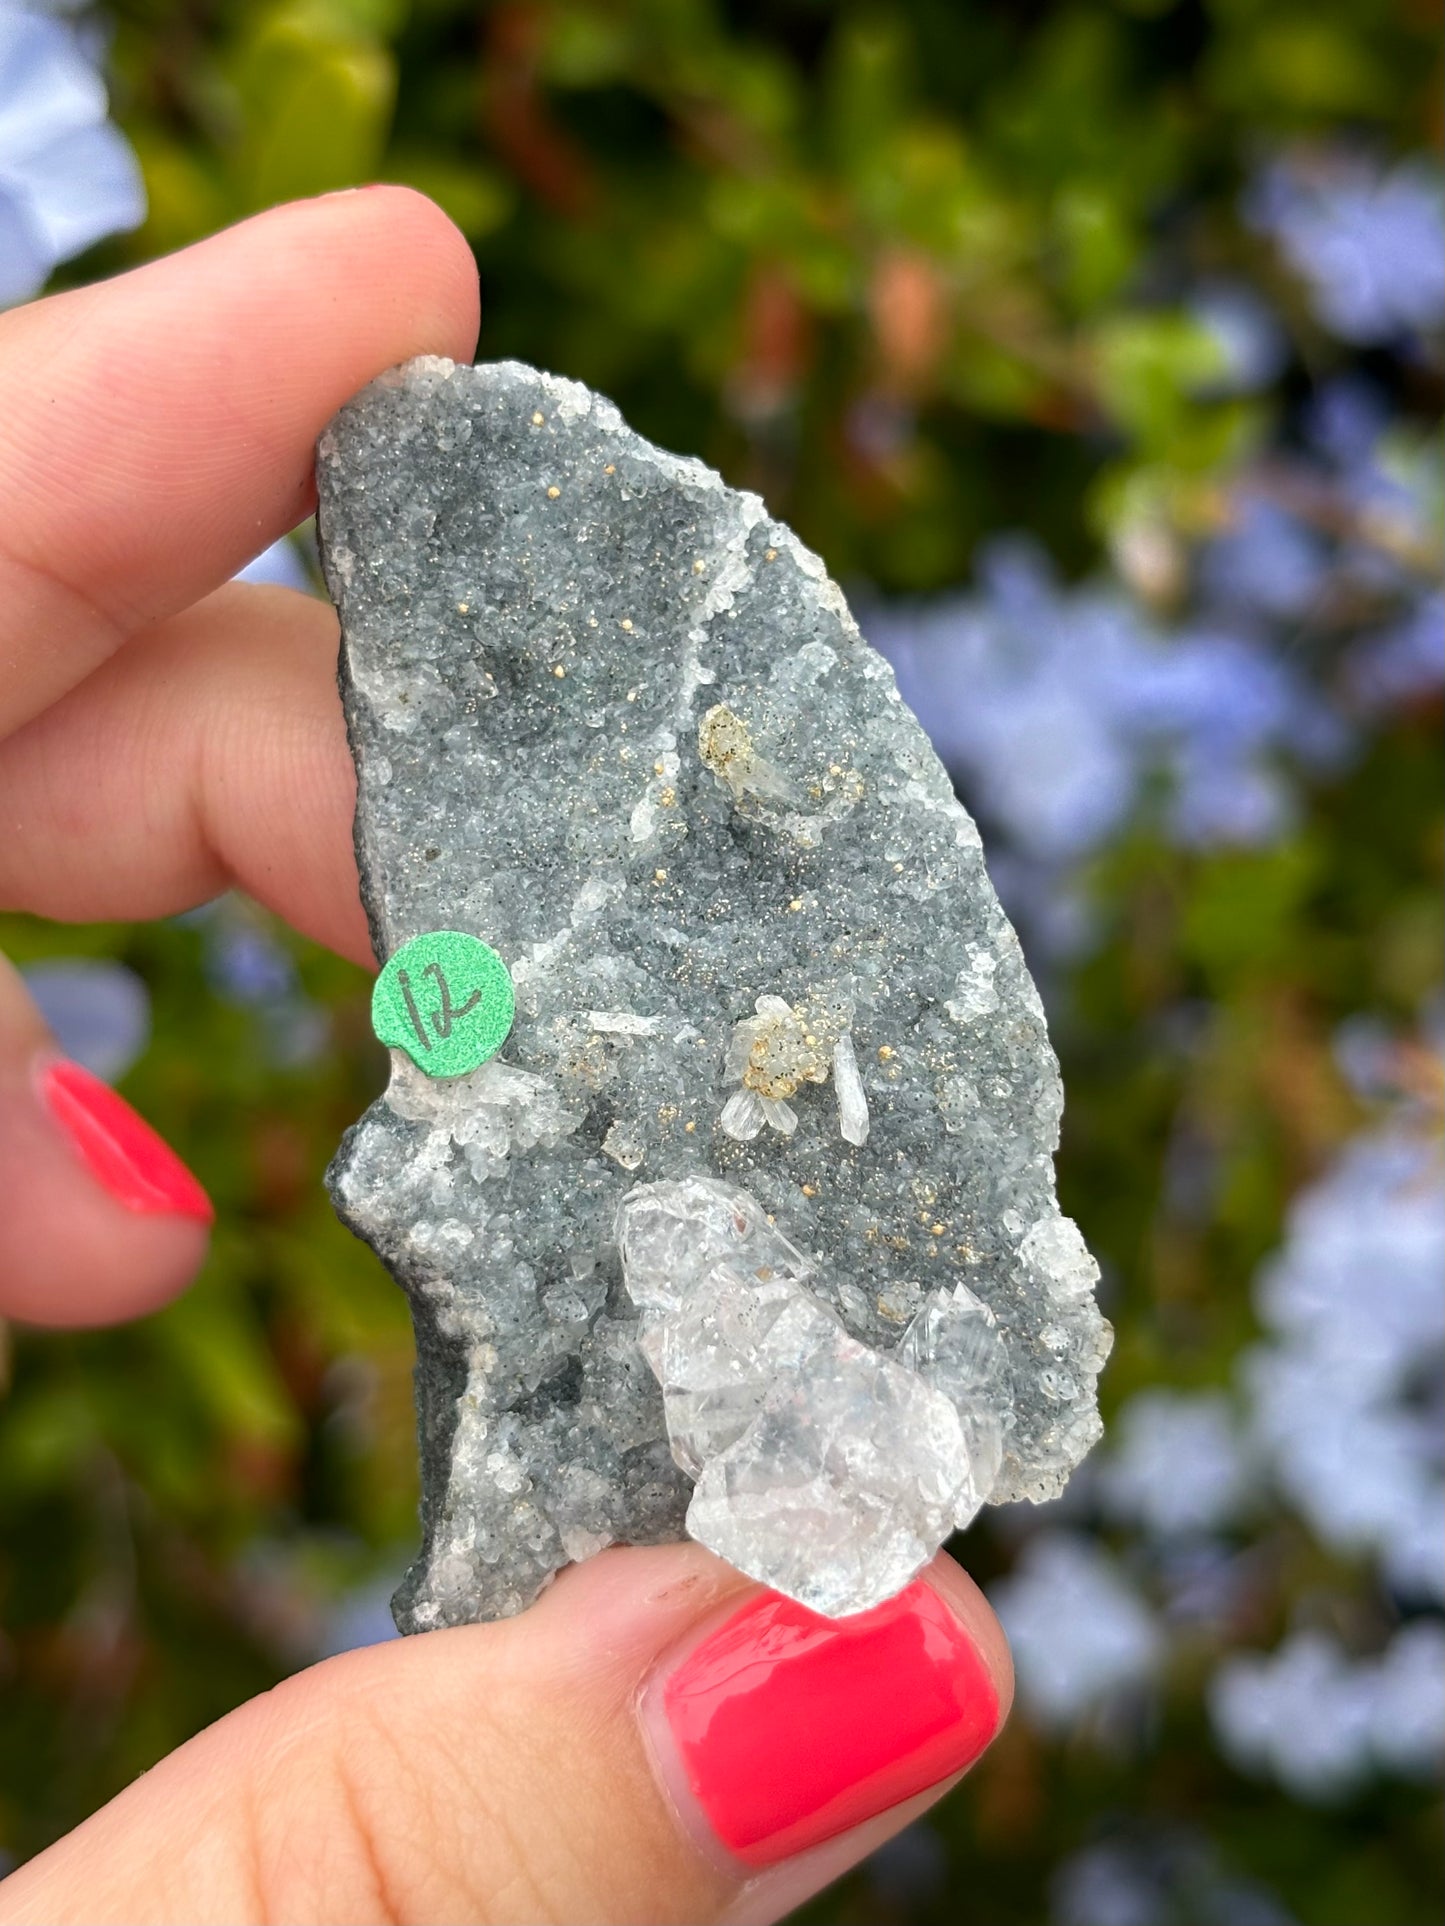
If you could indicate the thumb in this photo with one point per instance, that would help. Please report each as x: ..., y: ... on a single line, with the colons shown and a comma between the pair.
x: 656, y: 1740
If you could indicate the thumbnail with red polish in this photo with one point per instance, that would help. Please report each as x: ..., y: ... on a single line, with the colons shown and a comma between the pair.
x: 791, y: 1728
x: 118, y: 1147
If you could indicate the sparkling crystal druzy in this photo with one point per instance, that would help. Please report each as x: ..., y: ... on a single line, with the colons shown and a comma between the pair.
x: 617, y: 723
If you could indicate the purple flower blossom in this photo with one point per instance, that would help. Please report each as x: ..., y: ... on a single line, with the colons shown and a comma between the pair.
x: 98, y: 1011
x: 1268, y: 563
x: 1320, y: 1722
x: 1177, y: 1463
x: 1052, y: 707
x: 67, y: 176
x: 280, y: 564
x: 1368, y: 243
x: 1157, y: 1877
x: 248, y: 966
x: 1341, y: 1395
x: 361, y: 1617
x: 1080, y: 1632
x: 1344, y: 420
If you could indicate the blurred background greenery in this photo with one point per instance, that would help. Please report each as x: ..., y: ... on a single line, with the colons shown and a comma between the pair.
x: 1156, y: 286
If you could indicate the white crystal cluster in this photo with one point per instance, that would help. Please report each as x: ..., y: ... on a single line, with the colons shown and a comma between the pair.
x: 494, y: 1110
x: 774, y: 1053
x: 822, y: 1467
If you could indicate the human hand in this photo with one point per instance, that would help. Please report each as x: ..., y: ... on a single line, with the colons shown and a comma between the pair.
x: 657, y: 1738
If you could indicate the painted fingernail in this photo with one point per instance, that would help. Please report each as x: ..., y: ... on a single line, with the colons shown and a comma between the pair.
x: 790, y: 1728
x: 117, y: 1146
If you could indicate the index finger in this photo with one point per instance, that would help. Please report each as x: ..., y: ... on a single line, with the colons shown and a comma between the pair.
x: 157, y: 430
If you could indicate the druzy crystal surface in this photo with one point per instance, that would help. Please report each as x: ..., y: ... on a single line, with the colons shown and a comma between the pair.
x: 611, y: 718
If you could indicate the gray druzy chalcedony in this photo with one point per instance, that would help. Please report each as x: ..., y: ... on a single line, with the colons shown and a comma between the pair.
x: 609, y: 716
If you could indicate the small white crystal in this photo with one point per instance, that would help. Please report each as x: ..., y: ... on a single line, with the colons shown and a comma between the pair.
x: 494, y: 1109
x: 579, y: 1543
x: 779, y: 1114
x: 622, y: 1023
x: 974, y: 994
x: 1055, y: 1250
x: 776, y: 1009
x: 739, y: 1049
x: 725, y: 744
x: 852, y: 1098
x: 716, y: 1358
x: 672, y: 1234
x: 742, y: 1116
x: 780, y: 1048
x: 953, y: 1345
x: 624, y: 1145
x: 954, y: 1341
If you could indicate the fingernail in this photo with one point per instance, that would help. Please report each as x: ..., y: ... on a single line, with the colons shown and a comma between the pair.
x: 789, y: 1728
x: 117, y: 1146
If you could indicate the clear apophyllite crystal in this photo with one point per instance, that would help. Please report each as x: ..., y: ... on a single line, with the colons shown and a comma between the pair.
x: 823, y: 1468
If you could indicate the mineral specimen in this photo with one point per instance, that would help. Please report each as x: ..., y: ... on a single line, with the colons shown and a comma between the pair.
x: 612, y: 720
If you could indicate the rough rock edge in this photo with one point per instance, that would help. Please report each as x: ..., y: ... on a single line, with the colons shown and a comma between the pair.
x: 572, y: 402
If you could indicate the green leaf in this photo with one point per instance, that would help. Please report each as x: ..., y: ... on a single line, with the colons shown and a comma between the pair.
x: 1149, y: 370
x: 316, y: 107
x: 215, y: 1344
x: 1100, y: 243
x: 1243, y: 913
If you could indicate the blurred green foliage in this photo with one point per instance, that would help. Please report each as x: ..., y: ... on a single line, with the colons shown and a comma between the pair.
x: 916, y: 272
x: 754, y: 224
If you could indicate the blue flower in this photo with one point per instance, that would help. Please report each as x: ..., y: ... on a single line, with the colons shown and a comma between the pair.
x: 1148, y: 1874
x: 99, y: 1012
x: 1052, y: 707
x: 1368, y: 244
x: 1178, y: 1463
x: 1319, y: 1722
x: 1341, y: 1391
x: 247, y: 965
x: 1266, y: 563
x: 1081, y: 1634
x: 67, y: 176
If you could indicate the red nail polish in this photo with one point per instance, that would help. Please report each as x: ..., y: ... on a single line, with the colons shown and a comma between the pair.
x: 118, y: 1147
x: 792, y: 1728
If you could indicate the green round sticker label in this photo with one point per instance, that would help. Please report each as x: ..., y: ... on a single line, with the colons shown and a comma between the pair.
x: 447, y: 1000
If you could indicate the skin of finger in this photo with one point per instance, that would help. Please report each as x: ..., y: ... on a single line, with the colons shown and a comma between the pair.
x: 492, y: 1774
x: 157, y: 430
x: 69, y: 1253
x: 210, y: 752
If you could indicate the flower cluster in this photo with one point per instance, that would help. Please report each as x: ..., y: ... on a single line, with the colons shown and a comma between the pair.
x: 1348, y: 1393
x: 1054, y: 708
x: 1367, y: 241
x: 68, y: 177
x: 1321, y: 1722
